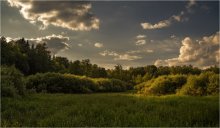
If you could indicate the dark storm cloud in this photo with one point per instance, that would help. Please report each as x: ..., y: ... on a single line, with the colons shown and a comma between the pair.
x: 67, y: 14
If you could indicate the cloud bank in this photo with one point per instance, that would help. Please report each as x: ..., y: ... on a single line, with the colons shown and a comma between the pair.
x: 75, y: 16
x: 202, y: 53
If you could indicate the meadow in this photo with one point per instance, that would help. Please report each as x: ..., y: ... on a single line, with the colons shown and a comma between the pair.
x: 109, y: 109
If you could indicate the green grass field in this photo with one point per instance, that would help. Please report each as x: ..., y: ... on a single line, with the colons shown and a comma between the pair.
x: 109, y: 109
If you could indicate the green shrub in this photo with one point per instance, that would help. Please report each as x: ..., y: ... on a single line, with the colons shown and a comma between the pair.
x: 68, y: 83
x: 111, y: 85
x: 162, y: 85
x: 213, y: 85
x: 194, y: 86
x: 12, y: 82
x: 204, y: 84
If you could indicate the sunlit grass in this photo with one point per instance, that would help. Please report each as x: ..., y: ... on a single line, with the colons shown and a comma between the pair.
x: 110, y: 109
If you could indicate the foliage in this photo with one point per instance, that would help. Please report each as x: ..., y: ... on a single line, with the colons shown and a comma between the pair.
x: 68, y: 83
x: 213, y: 85
x: 204, y: 84
x: 111, y: 85
x: 12, y: 82
x: 163, y: 85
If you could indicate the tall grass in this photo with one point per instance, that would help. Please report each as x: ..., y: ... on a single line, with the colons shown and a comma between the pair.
x: 110, y: 109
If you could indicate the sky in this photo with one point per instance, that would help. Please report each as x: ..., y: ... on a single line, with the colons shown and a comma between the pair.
x: 130, y: 33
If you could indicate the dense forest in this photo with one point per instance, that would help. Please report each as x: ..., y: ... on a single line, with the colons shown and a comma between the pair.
x: 43, y: 72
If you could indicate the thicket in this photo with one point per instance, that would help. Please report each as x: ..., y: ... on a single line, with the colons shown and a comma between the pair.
x: 68, y: 83
x: 12, y: 82
x: 207, y: 83
x: 204, y: 84
x: 167, y: 84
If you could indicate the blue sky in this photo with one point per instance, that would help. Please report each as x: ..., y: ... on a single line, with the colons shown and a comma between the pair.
x: 111, y: 32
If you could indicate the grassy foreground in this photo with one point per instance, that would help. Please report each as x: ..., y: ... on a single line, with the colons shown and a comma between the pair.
x: 109, y: 109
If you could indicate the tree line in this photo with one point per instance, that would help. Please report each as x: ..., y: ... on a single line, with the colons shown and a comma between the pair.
x: 36, y: 58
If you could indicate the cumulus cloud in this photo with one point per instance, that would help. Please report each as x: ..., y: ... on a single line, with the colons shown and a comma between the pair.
x: 98, y: 45
x: 55, y: 43
x: 118, y: 56
x: 174, y: 18
x: 201, y: 53
x: 66, y: 14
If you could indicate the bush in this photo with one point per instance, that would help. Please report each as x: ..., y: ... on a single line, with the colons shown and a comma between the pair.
x: 204, y: 84
x: 56, y: 82
x: 213, y: 85
x: 12, y: 82
x: 68, y: 83
x: 162, y: 85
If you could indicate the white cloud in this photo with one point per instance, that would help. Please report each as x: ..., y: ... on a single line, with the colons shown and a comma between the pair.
x: 98, y: 45
x: 140, y: 42
x: 190, y: 4
x: 108, y: 53
x: 118, y: 56
x: 179, y: 17
x: 201, y: 53
x: 127, y: 57
x: 150, y: 51
x: 66, y: 14
x: 8, y: 39
x: 174, y: 18
x: 140, y: 36
x: 161, y: 24
x: 134, y: 51
x: 140, y: 51
x: 172, y: 36
x: 80, y: 45
x: 160, y: 62
x: 55, y: 43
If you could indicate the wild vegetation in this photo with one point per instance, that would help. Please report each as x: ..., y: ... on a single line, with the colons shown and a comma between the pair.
x: 12, y: 82
x: 110, y: 109
x: 206, y: 83
x: 68, y: 83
